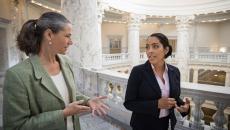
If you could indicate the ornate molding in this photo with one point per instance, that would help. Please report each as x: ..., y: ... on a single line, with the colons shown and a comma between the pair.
x: 161, y: 10
x: 102, y: 5
x: 183, y: 21
x: 213, y: 17
x: 134, y: 20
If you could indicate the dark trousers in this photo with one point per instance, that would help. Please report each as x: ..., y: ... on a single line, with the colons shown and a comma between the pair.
x: 158, y: 124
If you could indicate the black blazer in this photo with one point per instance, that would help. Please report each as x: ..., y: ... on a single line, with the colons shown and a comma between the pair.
x: 143, y: 92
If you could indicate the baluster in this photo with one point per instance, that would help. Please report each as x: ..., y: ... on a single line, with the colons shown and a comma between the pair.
x: 118, y: 94
x: 197, y: 114
x: 102, y: 88
x: 228, y: 58
x: 178, y: 117
x: 109, y: 89
x: 219, y: 117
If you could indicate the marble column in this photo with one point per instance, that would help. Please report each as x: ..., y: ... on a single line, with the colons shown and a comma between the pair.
x: 133, y: 38
x: 195, y: 75
x: 227, y: 79
x: 18, y: 17
x: 182, y: 49
x: 86, y: 50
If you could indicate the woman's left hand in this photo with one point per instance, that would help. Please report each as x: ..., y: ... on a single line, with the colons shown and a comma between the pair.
x: 97, y: 106
x: 185, y: 107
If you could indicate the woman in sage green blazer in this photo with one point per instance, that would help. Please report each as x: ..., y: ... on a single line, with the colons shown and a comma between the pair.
x: 31, y: 99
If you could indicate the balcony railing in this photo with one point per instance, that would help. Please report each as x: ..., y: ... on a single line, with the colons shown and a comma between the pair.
x: 211, y: 57
x: 114, y: 86
x: 119, y: 58
x: 222, y: 58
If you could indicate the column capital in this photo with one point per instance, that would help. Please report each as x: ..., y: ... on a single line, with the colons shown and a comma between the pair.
x: 102, y: 5
x: 183, y: 21
x: 134, y: 20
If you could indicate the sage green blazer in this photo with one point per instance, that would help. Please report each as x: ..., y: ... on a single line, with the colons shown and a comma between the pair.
x: 31, y: 100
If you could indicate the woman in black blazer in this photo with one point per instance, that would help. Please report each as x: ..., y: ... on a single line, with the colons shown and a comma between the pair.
x: 153, y: 89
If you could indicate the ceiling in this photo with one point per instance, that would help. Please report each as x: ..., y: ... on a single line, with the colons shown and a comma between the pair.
x: 172, y: 2
x: 170, y: 7
x: 161, y: 11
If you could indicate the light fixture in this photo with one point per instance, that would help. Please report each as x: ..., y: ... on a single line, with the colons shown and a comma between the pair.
x: 222, y: 49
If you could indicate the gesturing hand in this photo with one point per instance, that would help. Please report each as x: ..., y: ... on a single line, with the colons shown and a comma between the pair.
x: 97, y: 106
x: 75, y: 108
x: 185, y: 107
x: 166, y: 103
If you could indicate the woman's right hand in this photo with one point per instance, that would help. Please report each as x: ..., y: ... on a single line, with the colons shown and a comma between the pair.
x: 75, y: 108
x: 166, y: 103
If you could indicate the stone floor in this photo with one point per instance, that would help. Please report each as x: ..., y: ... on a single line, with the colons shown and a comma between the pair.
x: 89, y: 122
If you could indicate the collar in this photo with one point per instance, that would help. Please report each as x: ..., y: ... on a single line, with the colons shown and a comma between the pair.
x: 166, y: 67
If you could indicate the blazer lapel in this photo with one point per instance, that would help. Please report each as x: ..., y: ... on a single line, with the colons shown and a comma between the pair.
x: 171, y: 81
x: 151, y: 78
x: 68, y: 76
x: 46, y: 81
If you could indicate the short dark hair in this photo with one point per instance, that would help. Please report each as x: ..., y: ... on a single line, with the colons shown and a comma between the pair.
x: 164, y: 41
x: 30, y: 37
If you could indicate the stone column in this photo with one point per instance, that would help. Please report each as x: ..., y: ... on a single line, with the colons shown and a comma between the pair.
x: 227, y: 79
x: 182, y: 49
x: 102, y: 6
x: 87, y: 49
x: 195, y: 75
x: 133, y: 38
x: 17, y: 9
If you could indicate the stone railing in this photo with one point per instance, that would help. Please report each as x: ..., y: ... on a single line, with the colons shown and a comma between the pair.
x: 114, y: 84
x: 211, y: 58
x: 111, y: 84
x: 209, y: 96
x: 143, y: 56
x: 119, y: 58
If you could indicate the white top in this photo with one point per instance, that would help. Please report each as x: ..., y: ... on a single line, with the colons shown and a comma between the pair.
x: 60, y: 83
x: 164, y: 86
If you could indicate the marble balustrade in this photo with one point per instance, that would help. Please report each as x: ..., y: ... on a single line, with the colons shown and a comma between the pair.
x: 112, y: 84
x: 221, y: 58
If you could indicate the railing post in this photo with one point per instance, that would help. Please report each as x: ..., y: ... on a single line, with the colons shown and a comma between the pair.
x: 102, y: 86
x: 228, y: 57
x: 197, y: 114
x: 219, y: 117
x: 227, y: 79
x: 195, y: 75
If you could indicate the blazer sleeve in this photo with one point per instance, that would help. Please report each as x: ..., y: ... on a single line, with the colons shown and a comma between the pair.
x: 132, y: 102
x: 16, y: 108
x: 179, y: 100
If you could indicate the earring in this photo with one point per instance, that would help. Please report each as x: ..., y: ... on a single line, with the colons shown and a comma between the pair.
x: 50, y: 43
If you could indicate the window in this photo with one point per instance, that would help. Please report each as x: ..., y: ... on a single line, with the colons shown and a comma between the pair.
x: 115, y: 43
